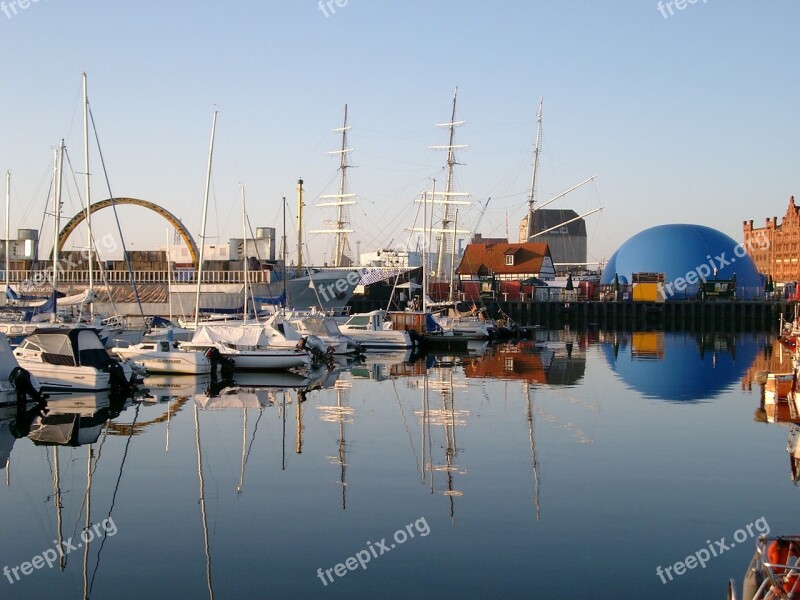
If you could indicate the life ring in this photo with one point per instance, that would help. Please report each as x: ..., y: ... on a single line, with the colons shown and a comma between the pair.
x: 781, y: 552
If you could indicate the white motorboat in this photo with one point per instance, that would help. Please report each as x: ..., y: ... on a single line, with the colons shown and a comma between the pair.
x: 247, y: 346
x: 165, y: 356
x: 72, y: 360
x: 367, y: 329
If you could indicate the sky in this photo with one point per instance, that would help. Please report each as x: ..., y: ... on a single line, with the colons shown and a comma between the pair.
x: 683, y: 111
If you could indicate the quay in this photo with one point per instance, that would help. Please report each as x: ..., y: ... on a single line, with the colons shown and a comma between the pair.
x: 734, y: 315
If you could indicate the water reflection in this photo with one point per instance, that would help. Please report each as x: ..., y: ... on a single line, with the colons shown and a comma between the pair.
x: 773, y: 372
x: 684, y: 367
x: 553, y: 357
x: 505, y: 450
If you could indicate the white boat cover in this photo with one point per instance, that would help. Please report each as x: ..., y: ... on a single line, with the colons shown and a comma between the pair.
x: 234, y: 398
x: 86, y: 297
x: 236, y: 335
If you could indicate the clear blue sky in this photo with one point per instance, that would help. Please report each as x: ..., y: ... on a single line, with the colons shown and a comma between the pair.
x: 690, y: 118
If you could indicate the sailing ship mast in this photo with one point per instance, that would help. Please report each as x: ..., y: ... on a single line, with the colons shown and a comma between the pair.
x: 444, y: 233
x: 341, y: 201
x: 531, y: 230
x: 532, y: 194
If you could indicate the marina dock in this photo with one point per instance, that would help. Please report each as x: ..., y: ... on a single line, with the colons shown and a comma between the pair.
x: 669, y: 316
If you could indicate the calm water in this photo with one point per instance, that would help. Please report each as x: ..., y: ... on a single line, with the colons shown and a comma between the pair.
x: 570, y: 467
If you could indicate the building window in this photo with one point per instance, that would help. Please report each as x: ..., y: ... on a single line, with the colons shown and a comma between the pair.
x: 509, y: 260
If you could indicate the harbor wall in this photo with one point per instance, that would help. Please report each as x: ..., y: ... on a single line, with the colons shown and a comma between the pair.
x: 669, y: 316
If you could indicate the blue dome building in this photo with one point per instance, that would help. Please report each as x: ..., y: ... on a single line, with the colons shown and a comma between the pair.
x: 686, y: 254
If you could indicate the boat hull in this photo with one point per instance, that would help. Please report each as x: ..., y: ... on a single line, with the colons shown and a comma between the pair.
x: 187, y: 363
x: 64, y: 379
x: 267, y: 361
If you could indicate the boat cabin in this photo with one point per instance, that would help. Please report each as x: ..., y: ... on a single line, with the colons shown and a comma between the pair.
x: 80, y: 347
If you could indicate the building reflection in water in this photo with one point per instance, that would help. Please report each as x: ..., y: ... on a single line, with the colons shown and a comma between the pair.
x: 679, y: 367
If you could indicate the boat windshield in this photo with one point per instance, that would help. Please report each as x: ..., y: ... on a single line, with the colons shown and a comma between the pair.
x: 358, y: 321
x: 315, y: 327
x: 331, y: 328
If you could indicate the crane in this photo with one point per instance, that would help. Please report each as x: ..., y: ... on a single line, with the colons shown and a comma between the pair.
x: 480, y: 218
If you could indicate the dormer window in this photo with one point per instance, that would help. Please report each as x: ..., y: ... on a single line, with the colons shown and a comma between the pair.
x: 509, y: 260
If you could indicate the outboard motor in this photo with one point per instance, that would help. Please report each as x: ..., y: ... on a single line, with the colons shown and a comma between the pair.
x: 119, y: 383
x: 21, y: 380
x: 320, y: 352
x: 215, y: 356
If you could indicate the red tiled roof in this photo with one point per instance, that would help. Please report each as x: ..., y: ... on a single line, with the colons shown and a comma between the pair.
x: 491, y: 258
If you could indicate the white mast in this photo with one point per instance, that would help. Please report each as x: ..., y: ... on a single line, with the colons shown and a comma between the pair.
x: 244, y: 250
x: 203, y: 225
x: 8, y: 243
x: 57, y: 209
x: 169, y: 277
x: 87, y: 186
x: 341, y: 201
x: 445, y: 231
x: 532, y: 195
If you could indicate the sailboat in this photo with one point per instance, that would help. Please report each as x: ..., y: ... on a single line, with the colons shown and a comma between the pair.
x: 342, y: 202
x: 246, y: 346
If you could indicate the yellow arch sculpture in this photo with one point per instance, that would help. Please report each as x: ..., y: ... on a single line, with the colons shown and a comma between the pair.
x: 172, y: 219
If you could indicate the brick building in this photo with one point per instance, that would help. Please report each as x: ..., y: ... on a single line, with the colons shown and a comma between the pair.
x: 775, y: 248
